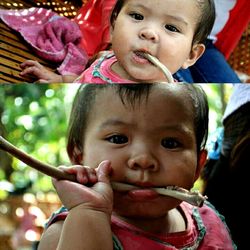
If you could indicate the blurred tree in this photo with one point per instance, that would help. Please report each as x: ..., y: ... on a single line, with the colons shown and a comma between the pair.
x: 218, y: 95
x: 34, y: 118
x: 6, y: 160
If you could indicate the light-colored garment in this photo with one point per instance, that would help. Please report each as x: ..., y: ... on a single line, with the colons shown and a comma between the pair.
x: 239, y: 97
x: 100, y: 71
x: 222, y: 10
x: 229, y: 36
x: 206, y: 229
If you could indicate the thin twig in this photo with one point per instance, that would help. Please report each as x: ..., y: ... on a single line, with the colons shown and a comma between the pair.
x: 161, y: 66
x: 34, y: 163
x: 192, y: 197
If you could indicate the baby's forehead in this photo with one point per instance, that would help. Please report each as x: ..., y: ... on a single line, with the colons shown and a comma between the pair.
x: 143, y: 95
x: 178, y: 90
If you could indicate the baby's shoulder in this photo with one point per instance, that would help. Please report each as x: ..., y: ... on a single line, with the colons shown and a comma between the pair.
x: 210, y: 215
x: 212, y: 225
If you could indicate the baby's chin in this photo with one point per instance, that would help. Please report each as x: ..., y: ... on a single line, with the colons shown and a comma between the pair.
x: 145, y: 211
x: 147, y: 77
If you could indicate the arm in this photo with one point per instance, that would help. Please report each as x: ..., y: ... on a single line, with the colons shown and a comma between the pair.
x: 35, y: 69
x: 87, y: 225
x: 96, y: 234
x: 72, y: 234
x: 51, y: 236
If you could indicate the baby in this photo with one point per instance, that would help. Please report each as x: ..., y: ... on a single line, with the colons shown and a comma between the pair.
x: 173, y: 31
x: 146, y: 135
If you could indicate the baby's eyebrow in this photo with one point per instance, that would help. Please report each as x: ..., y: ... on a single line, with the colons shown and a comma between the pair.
x: 136, y: 5
x: 179, y: 128
x: 179, y: 19
x: 113, y: 122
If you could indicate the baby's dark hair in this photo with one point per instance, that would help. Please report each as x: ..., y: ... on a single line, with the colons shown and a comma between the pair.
x: 204, y: 24
x: 130, y: 94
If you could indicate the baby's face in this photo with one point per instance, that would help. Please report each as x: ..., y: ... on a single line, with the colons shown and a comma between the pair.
x: 165, y: 29
x: 150, y: 144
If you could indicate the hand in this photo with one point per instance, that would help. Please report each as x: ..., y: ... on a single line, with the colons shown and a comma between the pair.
x: 35, y: 69
x: 98, y: 195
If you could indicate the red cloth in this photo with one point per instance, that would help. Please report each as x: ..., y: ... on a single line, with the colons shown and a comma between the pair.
x: 238, y: 21
x: 93, y: 20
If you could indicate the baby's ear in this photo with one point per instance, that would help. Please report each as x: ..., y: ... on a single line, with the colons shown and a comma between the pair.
x: 196, y: 52
x: 77, y: 156
x: 202, y: 159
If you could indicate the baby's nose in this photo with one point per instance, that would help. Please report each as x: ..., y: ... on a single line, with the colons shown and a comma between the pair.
x: 143, y: 161
x: 149, y: 34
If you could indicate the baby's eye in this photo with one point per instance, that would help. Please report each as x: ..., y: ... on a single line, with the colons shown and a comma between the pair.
x: 170, y: 143
x: 136, y: 16
x: 171, y: 28
x: 117, y: 139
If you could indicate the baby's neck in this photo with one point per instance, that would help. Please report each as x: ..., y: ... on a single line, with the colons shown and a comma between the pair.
x: 172, y: 222
x: 118, y: 69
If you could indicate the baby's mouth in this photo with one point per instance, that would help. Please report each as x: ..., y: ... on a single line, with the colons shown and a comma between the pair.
x: 192, y: 197
x: 141, y: 54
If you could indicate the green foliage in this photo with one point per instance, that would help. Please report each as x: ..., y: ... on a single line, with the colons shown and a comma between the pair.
x: 35, y: 120
x: 218, y: 96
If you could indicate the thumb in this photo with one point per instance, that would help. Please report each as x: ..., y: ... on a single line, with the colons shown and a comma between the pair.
x: 103, y: 171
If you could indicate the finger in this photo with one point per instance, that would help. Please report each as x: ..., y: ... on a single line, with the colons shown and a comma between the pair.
x: 64, y: 168
x: 103, y: 171
x: 92, y: 177
x: 84, y: 174
x: 30, y: 63
x: 26, y: 64
x: 32, y: 70
x: 78, y: 171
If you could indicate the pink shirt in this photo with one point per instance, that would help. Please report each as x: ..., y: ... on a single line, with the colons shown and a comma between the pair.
x: 206, y: 230
x: 100, y: 72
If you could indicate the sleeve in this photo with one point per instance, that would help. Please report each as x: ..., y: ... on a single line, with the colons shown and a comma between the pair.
x: 59, y: 214
x: 217, y: 235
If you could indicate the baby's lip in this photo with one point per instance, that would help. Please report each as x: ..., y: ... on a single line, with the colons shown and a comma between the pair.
x: 141, y: 52
x: 192, y: 197
x: 141, y: 191
x: 125, y: 186
x: 143, y: 184
x: 143, y: 194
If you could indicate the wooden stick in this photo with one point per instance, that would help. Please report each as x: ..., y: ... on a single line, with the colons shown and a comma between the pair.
x: 161, y: 66
x: 34, y: 163
x: 194, y: 198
